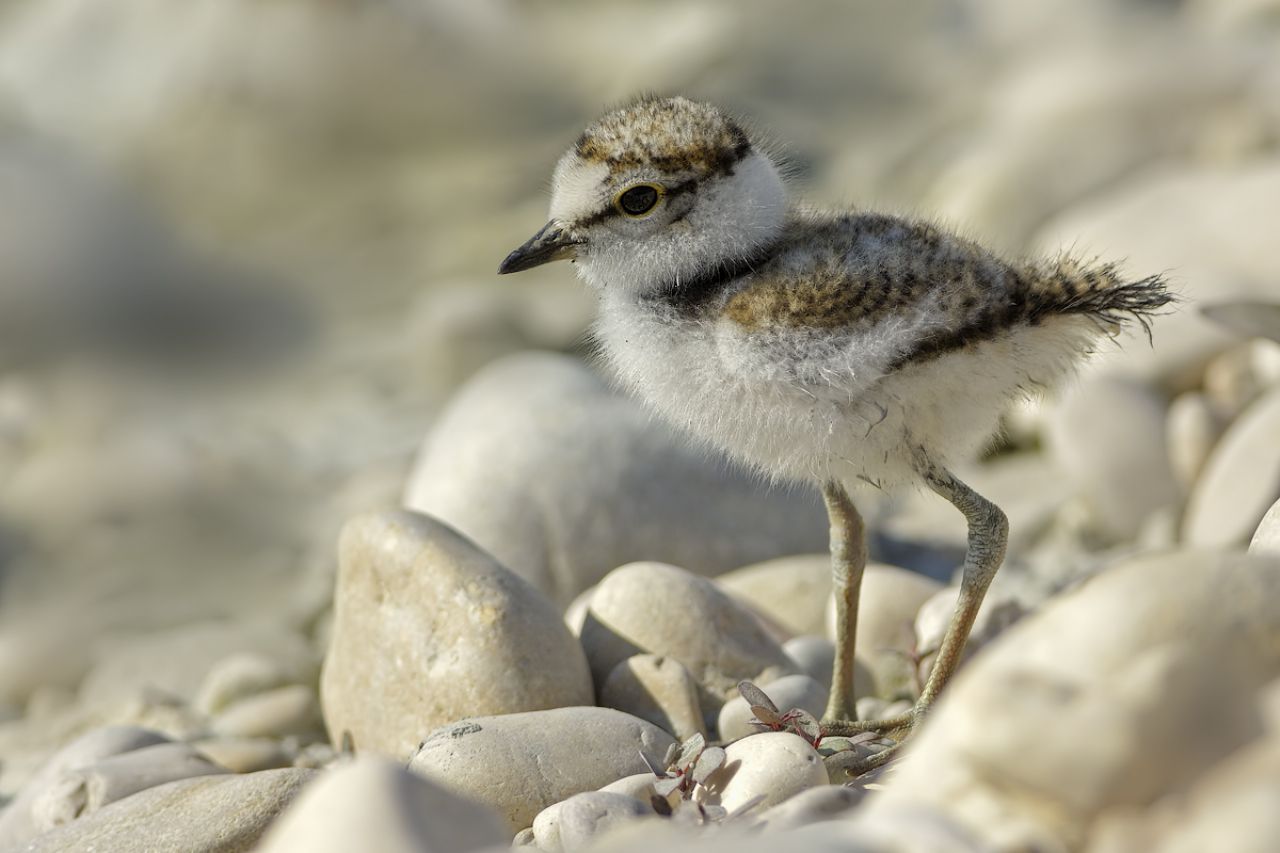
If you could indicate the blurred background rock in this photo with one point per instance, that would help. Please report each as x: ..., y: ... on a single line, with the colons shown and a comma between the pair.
x: 247, y: 249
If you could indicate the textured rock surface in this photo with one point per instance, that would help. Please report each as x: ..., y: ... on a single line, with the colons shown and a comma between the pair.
x: 663, y: 610
x: 375, y: 801
x: 561, y: 480
x: 521, y: 763
x: 428, y: 629
x: 212, y: 814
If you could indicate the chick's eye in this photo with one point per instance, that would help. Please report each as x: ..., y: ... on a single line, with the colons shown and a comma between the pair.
x: 638, y: 200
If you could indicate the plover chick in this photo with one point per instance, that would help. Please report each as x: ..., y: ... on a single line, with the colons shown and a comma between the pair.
x: 831, y: 348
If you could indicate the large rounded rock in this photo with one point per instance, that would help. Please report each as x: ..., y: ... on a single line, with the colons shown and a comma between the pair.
x: 211, y: 814
x: 663, y: 610
x: 428, y: 628
x: 562, y: 480
x: 1115, y: 695
x: 1107, y: 435
x: 521, y: 763
x: 1241, y: 479
x: 372, y: 798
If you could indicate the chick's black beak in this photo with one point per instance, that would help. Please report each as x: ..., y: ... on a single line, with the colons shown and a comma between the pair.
x: 552, y: 243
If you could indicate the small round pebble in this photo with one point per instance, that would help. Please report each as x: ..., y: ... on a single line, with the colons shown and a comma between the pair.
x: 773, y: 765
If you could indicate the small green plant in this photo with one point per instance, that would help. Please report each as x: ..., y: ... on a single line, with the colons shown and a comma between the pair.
x: 683, y: 790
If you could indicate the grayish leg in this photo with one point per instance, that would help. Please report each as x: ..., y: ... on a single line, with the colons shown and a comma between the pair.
x: 988, y: 537
x: 848, y: 560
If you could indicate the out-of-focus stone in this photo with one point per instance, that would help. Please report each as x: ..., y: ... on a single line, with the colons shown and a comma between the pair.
x: 247, y: 755
x: 1107, y: 435
x: 466, y: 637
x: 17, y: 823
x: 815, y: 804
x: 554, y: 755
x: 235, y: 678
x: 1144, y: 675
x: 75, y: 794
x: 561, y: 480
x: 663, y: 610
x: 209, y: 814
x: 791, y: 591
x: 290, y: 711
x: 815, y: 657
x: 658, y: 689
x: 1241, y: 479
x: 1191, y: 431
x: 375, y: 801
x: 997, y: 613
x: 571, y: 823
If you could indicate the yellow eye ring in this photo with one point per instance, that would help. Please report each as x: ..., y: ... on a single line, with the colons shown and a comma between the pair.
x: 639, y: 200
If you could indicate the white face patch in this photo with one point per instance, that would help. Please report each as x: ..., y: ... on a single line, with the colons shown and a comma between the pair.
x: 578, y: 188
x: 731, y: 217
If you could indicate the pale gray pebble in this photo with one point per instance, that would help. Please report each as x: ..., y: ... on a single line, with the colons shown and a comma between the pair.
x: 790, y: 691
x: 279, y: 712
x: 77, y: 793
x: 658, y: 689
x: 554, y: 755
x: 815, y: 656
x: 567, y: 825
x: 209, y: 814
x: 17, y: 823
x: 236, y: 677
x: 476, y: 639
x: 1266, y: 539
x: 810, y: 806
x: 524, y: 838
x: 664, y: 610
x: 356, y: 803
x: 1240, y: 481
x: 772, y: 765
x: 540, y: 430
x: 576, y: 613
x: 246, y: 755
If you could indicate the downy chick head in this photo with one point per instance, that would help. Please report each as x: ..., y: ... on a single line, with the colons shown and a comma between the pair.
x: 656, y: 193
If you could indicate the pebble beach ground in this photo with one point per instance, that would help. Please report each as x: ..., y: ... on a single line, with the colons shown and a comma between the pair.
x: 315, y: 535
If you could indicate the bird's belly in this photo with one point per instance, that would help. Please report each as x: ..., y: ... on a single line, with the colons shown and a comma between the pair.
x: 750, y: 406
